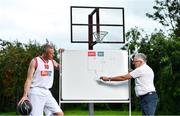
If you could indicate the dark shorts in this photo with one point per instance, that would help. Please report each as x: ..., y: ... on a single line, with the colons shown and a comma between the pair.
x: 149, y: 103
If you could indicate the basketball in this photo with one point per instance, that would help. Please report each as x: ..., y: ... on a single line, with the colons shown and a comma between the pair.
x: 24, y: 108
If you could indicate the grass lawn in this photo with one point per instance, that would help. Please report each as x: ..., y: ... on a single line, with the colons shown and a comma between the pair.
x: 86, y: 113
x: 99, y: 113
x: 8, y: 114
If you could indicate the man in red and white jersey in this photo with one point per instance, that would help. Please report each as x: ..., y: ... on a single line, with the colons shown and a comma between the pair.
x: 40, y: 78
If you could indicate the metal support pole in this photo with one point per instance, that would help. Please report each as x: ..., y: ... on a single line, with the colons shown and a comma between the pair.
x: 90, y: 47
x: 91, y: 109
x: 97, y: 20
x: 60, y: 78
x: 130, y: 108
x: 90, y: 32
x: 129, y: 67
x: 129, y: 97
x: 91, y: 43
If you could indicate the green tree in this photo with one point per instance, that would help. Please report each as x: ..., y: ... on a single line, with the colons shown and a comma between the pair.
x: 14, y: 61
x: 167, y: 13
x: 163, y: 55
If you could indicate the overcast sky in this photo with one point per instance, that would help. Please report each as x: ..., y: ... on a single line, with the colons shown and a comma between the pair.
x: 25, y: 20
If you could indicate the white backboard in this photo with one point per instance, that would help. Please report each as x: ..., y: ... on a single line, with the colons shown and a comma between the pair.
x: 81, y: 70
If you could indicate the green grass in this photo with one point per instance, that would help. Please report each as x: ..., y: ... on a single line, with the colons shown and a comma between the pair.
x: 86, y: 113
x: 99, y: 113
x: 7, y: 114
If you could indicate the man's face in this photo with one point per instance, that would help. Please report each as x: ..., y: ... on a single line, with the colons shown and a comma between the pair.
x: 50, y: 54
x: 137, y: 62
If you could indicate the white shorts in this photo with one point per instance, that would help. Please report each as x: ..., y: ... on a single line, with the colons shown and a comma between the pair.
x: 43, y: 103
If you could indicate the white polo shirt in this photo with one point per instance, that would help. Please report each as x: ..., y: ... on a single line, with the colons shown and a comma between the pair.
x: 144, y: 79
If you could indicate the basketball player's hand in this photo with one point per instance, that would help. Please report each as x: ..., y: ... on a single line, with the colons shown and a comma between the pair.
x: 104, y: 78
x: 23, y: 99
x: 61, y: 50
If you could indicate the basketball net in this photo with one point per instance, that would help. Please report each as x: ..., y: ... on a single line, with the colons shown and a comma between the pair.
x: 99, y: 36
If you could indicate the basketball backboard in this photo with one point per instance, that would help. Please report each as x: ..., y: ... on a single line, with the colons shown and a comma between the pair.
x: 87, y: 20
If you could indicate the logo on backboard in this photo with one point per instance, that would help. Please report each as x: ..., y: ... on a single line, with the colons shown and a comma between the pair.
x: 100, y: 53
x: 91, y: 53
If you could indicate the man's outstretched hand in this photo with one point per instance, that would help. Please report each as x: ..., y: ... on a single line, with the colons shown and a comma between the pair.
x: 104, y: 78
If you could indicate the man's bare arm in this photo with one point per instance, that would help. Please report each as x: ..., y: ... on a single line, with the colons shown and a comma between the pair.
x: 27, y: 84
x: 116, y: 78
x: 56, y: 64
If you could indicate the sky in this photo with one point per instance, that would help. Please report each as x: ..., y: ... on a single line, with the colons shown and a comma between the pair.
x: 38, y: 20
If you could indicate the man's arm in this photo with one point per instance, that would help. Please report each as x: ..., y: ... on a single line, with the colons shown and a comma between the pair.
x: 56, y: 64
x: 116, y: 78
x: 27, y: 84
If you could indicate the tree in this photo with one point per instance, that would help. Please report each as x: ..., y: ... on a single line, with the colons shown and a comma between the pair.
x: 14, y: 61
x: 163, y: 55
x: 167, y: 13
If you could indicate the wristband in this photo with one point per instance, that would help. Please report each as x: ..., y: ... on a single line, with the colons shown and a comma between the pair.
x: 109, y: 79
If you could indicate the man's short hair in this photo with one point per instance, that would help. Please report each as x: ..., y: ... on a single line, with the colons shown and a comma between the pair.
x: 141, y: 56
x: 45, y: 47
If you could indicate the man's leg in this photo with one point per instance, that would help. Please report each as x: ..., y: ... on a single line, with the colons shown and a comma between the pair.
x: 53, y: 106
x: 149, y: 103
x: 37, y: 104
x: 47, y: 112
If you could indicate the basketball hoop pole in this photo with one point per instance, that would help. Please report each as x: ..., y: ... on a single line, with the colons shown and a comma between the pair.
x: 91, y: 43
x: 90, y: 27
x: 90, y: 34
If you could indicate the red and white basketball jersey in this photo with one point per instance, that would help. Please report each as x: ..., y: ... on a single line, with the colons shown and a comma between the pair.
x: 44, y: 74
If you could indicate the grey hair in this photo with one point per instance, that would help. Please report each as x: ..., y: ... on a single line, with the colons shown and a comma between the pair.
x: 45, y: 47
x: 141, y: 56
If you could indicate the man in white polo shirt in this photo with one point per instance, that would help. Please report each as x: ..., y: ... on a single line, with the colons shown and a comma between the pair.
x: 144, y: 83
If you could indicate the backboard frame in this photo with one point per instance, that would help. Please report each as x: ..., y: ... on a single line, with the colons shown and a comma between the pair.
x: 97, y: 24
